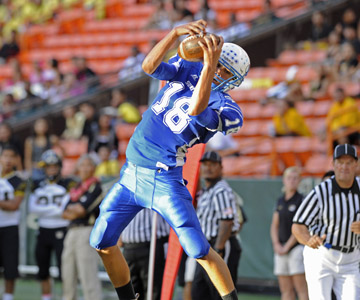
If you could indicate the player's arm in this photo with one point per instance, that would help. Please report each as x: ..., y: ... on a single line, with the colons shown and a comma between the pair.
x: 224, y: 233
x: 13, y: 204
x: 302, y: 234
x: 74, y: 211
x: 201, y: 94
x: 274, y: 234
x: 156, y: 55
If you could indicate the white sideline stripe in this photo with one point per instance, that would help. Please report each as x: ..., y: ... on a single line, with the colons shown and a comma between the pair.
x: 54, y: 272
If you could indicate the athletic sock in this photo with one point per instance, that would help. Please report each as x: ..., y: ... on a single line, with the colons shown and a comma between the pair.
x: 8, y: 297
x: 126, y: 292
x: 46, y: 297
x: 232, y: 296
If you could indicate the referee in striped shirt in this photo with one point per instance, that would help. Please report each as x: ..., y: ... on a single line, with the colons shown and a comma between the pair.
x: 135, y: 240
x: 328, y: 224
x: 220, y: 218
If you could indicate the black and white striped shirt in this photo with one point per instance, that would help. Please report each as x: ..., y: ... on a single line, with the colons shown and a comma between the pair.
x: 330, y: 210
x: 139, y: 229
x: 215, y: 204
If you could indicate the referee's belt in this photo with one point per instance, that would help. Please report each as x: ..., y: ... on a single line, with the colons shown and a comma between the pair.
x: 343, y: 249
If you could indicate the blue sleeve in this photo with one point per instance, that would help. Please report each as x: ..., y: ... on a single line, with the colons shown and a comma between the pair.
x: 209, y: 118
x: 228, y: 119
x: 231, y: 118
x: 167, y: 71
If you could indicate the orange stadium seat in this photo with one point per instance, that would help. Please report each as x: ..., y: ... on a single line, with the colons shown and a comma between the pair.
x: 138, y: 11
x: 284, y: 151
x: 247, y: 166
x: 245, y: 95
x: 305, y: 108
x: 299, y: 57
x: 321, y: 108
x: 317, y: 165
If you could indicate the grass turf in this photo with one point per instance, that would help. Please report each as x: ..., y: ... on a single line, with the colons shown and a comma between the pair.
x: 29, y: 289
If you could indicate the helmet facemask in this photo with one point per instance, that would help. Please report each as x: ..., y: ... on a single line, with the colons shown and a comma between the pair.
x: 236, y: 60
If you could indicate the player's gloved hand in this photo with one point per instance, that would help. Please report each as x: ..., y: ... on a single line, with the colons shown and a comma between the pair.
x: 315, y: 241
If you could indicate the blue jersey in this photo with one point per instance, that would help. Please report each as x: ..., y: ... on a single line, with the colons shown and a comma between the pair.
x: 167, y: 130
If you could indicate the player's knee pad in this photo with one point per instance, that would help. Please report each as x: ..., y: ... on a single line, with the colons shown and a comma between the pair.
x: 194, y: 242
x: 98, y: 237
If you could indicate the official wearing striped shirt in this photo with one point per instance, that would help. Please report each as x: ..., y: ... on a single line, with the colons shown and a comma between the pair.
x: 328, y: 224
x: 135, y: 240
x: 219, y: 215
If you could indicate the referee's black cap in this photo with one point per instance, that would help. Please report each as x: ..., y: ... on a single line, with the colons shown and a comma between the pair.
x: 211, y: 156
x: 345, y: 149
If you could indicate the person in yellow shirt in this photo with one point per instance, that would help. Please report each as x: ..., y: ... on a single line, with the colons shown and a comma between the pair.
x: 127, y: 111
x: 288, y: 122
x: 344, y: 113
x: 108, y: 167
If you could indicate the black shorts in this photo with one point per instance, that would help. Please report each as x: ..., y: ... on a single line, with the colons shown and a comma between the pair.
x: 9, y: 251
x: 49, y: 240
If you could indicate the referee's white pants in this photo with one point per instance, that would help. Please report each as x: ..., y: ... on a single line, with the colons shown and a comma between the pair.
x: 327, y: 269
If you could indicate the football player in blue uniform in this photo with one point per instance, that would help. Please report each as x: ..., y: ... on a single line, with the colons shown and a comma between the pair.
x: 189, y: 110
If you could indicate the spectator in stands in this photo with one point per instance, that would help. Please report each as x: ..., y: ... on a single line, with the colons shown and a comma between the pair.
x: 80, y: 260
x: 52, y: 69
x: 350, y: 36
x: 53, y: 88
x: 288, y: 259
x: 12, y: 193
x: 289, y: 89
x: 343, y: 114
x: 160, y: 18
x: 333, y: 49
x: 267, y: 16
x: 47, y: 201
x: 9, y: 48
x: 127, y: 111
x: 8, y: 107
x: 9, y: 139
x: 346, y: 63
x: 91, y: 124
x: 105, y: 135
x: 132, y: 65
x: 348, y: 19
x: 35, y: 145
x: 107, y: 168
x: 69, y: 88
x: 320, y: 30
x: 288, y: 122
x: 74, y: 123
x: 15, y: 85
x: 319, y: 86
x: 85, y: 74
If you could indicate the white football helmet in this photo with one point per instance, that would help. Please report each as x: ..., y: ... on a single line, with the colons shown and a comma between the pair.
x: 235, y: 59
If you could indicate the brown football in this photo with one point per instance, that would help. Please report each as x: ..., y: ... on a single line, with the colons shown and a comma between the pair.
x: 190, y: 50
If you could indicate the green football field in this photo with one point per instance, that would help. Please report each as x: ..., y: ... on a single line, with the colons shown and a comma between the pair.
x: 29, y: 289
